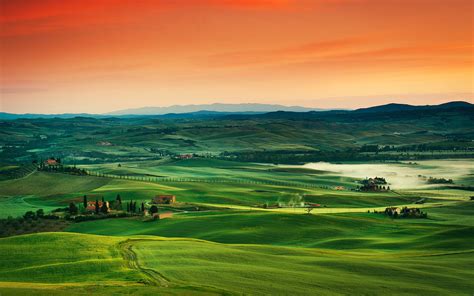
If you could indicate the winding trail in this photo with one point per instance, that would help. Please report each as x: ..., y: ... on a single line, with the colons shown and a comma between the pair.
x: 154, y: 278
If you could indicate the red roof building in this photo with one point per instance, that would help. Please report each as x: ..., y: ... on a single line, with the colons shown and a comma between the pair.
x: 164, y: 199
x: 51, y: 161
x: 91, y: 205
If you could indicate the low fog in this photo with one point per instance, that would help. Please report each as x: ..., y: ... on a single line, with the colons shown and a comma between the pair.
x: 403, y: 175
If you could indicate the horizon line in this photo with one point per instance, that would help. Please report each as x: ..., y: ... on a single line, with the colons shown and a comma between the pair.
x: 110, y: 113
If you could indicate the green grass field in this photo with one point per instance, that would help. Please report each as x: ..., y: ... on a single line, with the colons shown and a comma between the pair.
x: 235, y: 246
x: 340, y: 231
x: 253, y: 185
x: 142, y: 265
x: 258, y: 269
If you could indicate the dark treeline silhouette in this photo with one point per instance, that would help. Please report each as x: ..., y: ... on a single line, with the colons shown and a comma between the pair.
x: 31, y: 222
x: 63, y: 169
x: 405, y: 212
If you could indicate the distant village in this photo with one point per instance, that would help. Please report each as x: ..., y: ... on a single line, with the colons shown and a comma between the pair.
x: 374, y: 185
x: 116, y: 207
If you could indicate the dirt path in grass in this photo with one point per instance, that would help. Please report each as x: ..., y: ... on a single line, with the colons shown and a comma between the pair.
x: 153, y: 277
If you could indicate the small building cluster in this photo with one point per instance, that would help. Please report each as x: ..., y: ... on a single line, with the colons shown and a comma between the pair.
x: 185, y: 156
x: 95, y: 207
x: 91, y: 205
x: 164, y: 199
x: 104, y: 143
x: 49, y: 163
x: 374, y: 184
x: 54, y: 164
x: 52, y: 161
x: 104, y: 206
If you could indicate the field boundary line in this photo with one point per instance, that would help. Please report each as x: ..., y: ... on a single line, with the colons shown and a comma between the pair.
x: 202, y: 180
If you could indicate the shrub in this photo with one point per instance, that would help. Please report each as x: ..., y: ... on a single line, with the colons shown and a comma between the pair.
x: 154, y: 209
x: 29, y: 215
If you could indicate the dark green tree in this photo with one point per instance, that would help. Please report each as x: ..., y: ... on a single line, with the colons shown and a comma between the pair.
x: 84, y: 201
x: 104, y: 209
x: 40, y: 213
x: 97, y: 206
x: 29, y: 215
x: 73, y: 209
x: 153, y: 210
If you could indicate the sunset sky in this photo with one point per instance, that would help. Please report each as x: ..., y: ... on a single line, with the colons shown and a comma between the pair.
x: 98, y: 56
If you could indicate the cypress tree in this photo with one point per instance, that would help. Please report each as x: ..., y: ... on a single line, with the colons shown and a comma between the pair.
x: 85, y: 201
x: 97, y: 206
x: 118, y: 202
x: 104, y: 209
x: 73, y: 209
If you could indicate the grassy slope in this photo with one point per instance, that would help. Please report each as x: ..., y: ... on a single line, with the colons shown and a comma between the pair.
x: 282, y: 270
x: 192, y: 266
x: 61, y: 257
x: 211, y: 169
x: 449, y: 228
x: 17, y: 206
x: 43, y: 190
x: 52, y: 190
x: 45, y: 184
x: 70, y: 264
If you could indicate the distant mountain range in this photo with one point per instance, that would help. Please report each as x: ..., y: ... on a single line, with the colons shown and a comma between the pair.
x: 218, y: 110
x: 405, y: 107
x: 11, y: 116
x: 228, y: 108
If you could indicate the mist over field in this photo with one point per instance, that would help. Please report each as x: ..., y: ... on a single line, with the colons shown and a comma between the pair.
x: 403, y: 175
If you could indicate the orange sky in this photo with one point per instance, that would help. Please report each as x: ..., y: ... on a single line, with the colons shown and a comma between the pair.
x: 103, y: 55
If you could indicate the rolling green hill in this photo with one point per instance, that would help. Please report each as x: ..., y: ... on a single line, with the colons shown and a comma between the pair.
x: 264, y: 270
x: 144, y: 265
x: 341, y: 231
